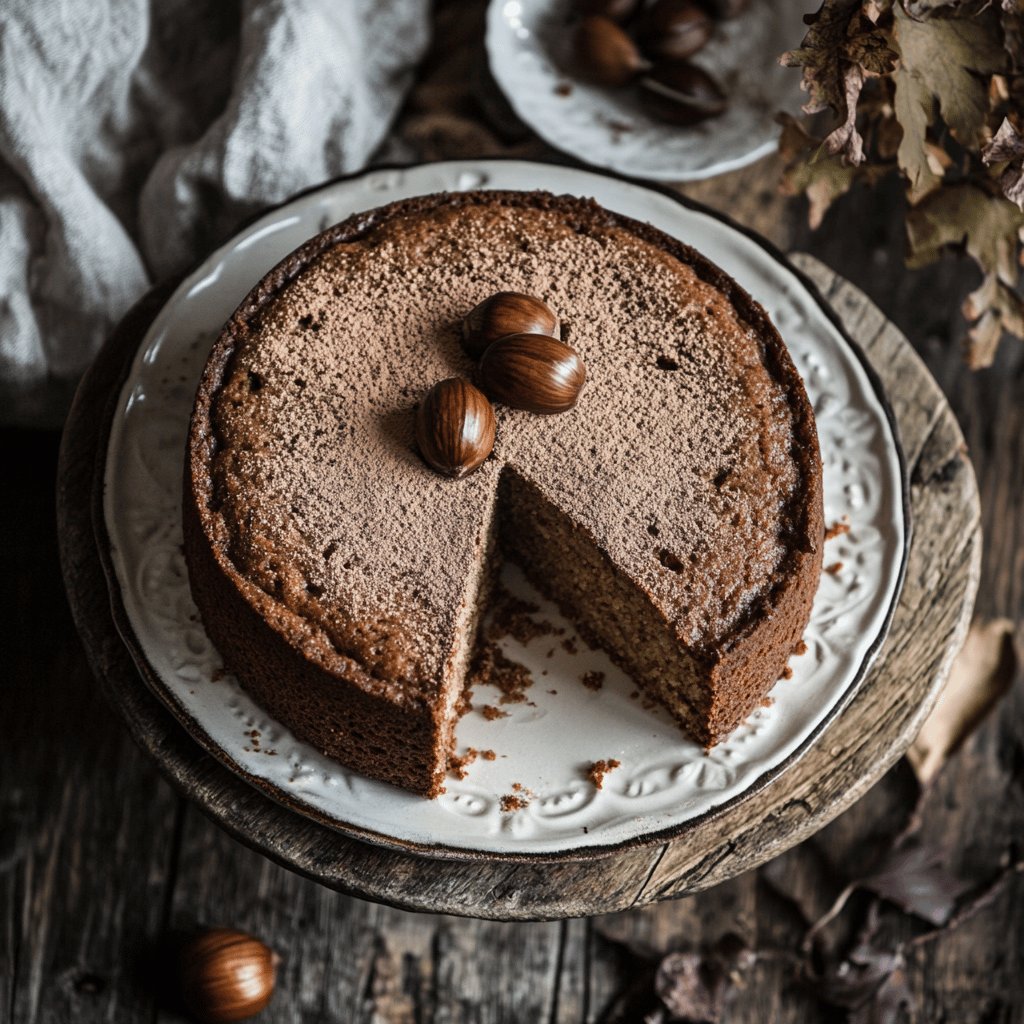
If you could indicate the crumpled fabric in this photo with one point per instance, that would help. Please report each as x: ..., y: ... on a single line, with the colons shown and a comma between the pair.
x: 136, y: 135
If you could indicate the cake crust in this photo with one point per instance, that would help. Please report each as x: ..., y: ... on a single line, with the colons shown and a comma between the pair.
x: 377, y: 685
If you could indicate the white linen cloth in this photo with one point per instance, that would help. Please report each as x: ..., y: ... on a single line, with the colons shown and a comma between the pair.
x: 137, y: 134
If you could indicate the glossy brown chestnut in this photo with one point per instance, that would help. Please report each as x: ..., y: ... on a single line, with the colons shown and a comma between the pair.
x: 674, y: 29
x: 618, y: 10
x: 681, y: 93
x: 507, y: 313
x: 454, y: 427
x: 533, y: 372
x: 605, y: 54
x: 226, y: 975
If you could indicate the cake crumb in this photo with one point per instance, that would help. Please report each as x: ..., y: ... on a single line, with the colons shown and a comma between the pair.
x: 593, y: 680
x: 767, y: 702
x: 801, y: 648
x: 834, y: 568
x: 554, y: 693
x: 570, y: 645
x: 488, y: 755
x: 492, y: 667
x: 491, y: 713
x: 510, y: 803
x: 513, y: 617
x: 459, y: 765
x: 599, y: 769
x: 787, y: 673
x: 837, y: 529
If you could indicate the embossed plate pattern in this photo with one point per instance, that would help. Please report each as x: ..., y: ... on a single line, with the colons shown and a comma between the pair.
x: 546, y: 746
x: 529, y: 44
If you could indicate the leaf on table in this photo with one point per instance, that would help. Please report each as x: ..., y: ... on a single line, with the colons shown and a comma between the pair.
x: 691, y: 987
x: 987, y: 226
x: 981, y: 675
x: 821, y: 177
x: 1012, y: 18
x: 845, y: 140
x: 1007, y: 147
x: 822, y: 54
x: 855, y: 980
x: 991, y: 309
x: 945, y: 59
x: 842, y: 48
x: 915, y: 878
x: 914, y: 105
x: 888, y: 1003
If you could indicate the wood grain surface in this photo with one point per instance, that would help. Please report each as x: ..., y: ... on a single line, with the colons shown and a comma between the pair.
x: 101, y: 860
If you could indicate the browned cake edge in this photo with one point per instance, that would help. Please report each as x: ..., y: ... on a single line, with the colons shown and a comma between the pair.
x: 278, y: 658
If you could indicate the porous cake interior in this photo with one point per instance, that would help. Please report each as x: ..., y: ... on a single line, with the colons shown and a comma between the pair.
x: 608, y: 609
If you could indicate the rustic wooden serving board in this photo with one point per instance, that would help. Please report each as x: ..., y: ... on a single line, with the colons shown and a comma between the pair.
x: 851, y: 754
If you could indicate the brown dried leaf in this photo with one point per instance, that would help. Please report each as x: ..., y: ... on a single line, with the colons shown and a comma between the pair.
x: 1007, y: 146
x: 841, y: 48
x: 914, y: 107
x: 991, y: 309
x: 821, y: 55
x: 856, y: 980
x: 966, y: 215
x: 981, y: 675
x: 889, y: 1001
x: 845, y: 140
x: 947, y: 57
x: 914, y: 877
x: 691, y: 987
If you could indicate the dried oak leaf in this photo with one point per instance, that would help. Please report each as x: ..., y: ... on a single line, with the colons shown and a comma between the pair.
x: 822, y: 178
x: 981, y: 675
x: 993, y: 307
x: 841, y: 49
x: 943, y: 59
x: 857, y: 979
x: 691, y: 987
x: 914, y: 877
x: 1007, y: 146
x: 987, y: 226
x: 888, y: 1002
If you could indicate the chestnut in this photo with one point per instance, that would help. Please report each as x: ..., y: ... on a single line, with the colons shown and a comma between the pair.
x: 680, y: 93
x: 674, y: 29
x: 605, y: 54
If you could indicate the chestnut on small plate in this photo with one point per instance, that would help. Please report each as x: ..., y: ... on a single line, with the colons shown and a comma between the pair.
x: 530, y: 45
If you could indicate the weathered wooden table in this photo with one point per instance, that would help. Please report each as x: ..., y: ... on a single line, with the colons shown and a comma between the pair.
x: 101, y: 861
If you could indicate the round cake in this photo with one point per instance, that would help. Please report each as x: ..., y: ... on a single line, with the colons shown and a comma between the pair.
x: 675, y: 514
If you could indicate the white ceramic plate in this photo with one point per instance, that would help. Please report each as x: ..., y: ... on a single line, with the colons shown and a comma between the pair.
x: 664, y: 780
x: 529, y: 44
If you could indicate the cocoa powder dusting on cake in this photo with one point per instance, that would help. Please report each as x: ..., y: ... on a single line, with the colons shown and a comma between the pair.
x: 599, y: 769
x: 593, y: 680
x: 310, y: 450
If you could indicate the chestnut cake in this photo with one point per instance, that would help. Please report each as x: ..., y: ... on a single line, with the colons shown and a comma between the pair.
x: 675, y: 514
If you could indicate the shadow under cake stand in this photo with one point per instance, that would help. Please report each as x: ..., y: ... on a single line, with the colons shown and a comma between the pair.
x: 845, y: 759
